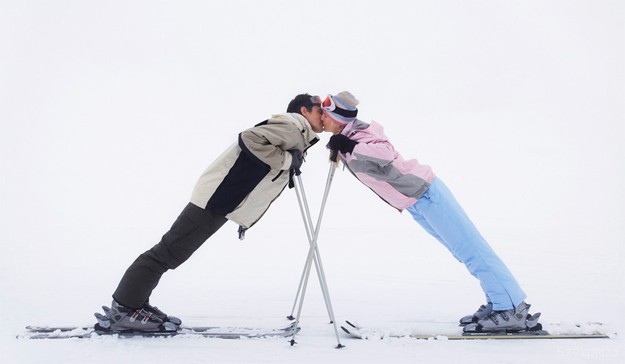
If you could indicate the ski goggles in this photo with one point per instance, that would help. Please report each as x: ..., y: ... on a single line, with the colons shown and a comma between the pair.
x: 329, y: 105
x: 315, y: 100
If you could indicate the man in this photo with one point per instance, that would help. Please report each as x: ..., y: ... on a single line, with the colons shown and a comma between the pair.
x: 239, y: 185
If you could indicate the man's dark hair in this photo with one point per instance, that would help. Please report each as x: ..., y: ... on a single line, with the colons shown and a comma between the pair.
x: 301, y: 100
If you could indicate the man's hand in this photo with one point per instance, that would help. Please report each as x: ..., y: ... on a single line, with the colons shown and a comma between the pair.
x: 297, y: 158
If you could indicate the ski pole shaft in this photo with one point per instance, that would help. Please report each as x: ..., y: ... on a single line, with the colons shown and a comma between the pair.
x: 315, y: 246
x: 313, y: 253
x: 307, y: 224
x: 312, y: 235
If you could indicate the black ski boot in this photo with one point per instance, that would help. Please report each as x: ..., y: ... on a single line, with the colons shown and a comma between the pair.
x: 162, y: 315
x: 123, y: 319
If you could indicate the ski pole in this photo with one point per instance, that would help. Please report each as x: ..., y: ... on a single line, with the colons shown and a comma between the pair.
x: 313, y: 253
x: 317, y: 256
x: 305, y: 211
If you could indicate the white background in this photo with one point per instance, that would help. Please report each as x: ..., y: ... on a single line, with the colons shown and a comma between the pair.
x: 110, y: 110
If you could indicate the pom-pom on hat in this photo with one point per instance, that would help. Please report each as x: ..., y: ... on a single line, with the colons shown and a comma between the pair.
x: 341, y: 107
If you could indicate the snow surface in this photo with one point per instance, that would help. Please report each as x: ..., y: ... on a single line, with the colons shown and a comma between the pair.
x: 110, y: 110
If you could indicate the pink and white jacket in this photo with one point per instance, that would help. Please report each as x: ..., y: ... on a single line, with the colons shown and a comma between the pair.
x: 376, y: 163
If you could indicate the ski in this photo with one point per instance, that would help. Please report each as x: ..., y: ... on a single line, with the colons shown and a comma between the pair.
x: 355, y: 331
x: 86, y: 332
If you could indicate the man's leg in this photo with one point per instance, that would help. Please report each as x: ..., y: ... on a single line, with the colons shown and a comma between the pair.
x: 190, y: 230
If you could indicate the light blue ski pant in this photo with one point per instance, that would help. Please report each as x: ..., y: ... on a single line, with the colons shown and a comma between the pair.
x: 438, y: 212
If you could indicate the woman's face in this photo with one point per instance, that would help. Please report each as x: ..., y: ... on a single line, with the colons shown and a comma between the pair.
x: 330, y: 125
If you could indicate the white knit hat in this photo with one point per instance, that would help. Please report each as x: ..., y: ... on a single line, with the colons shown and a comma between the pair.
x: 341, y: 107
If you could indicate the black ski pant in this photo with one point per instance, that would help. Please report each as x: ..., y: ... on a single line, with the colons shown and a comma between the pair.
x: 190, y: 230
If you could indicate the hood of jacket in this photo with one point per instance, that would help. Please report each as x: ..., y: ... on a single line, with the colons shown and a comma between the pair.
x: 363, y: 132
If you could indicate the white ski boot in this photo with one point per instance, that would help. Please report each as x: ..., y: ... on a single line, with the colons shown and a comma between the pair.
x: 481, y: 313
x: 513, y: 320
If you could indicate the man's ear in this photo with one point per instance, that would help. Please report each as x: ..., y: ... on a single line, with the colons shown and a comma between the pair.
x: 303, y: 110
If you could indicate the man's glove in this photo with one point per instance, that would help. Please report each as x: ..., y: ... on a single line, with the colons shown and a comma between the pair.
x: 297, y: 158
x: 341, y: 143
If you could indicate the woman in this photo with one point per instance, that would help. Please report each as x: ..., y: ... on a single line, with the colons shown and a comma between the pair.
x: 409, y: 185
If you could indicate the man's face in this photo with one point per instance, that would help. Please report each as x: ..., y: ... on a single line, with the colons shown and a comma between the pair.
x: 314, y: 118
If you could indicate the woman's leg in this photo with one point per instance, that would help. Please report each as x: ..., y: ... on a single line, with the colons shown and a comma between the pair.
x: 441, y: 215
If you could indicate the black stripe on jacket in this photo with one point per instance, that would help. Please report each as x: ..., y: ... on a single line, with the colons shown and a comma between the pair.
x: 243, y: 177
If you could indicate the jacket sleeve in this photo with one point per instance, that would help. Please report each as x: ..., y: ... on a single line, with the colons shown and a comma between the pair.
x: 380, y: 152
x: 269, y: 143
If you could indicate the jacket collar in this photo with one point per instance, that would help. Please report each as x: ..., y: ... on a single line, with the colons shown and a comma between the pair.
x: 310, y: 137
